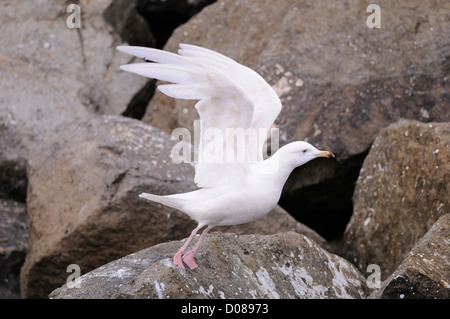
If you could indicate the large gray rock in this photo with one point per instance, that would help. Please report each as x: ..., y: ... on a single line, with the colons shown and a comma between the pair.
x: 340, y: 82
x: 425, y: 271
x: 54, y: 73
x: 83, y: 197
x: 285, y: 265
x: 401, y: 192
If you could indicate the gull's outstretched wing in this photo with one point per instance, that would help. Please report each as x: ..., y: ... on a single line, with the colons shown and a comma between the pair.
x: 234, y: 100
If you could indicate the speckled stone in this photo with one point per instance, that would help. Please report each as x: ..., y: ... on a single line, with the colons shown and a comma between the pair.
x: 402, y: 190
x: 284, y: 265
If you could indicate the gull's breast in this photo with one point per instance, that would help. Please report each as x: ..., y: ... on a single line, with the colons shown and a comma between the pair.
x: 240, y: 204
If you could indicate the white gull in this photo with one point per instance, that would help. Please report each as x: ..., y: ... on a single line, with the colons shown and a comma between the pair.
x: 242, y: 187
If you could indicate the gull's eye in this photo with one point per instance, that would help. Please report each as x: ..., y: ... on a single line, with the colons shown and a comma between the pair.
x: 304, y: 151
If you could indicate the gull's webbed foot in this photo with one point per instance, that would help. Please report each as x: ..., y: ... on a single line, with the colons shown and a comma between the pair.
x: 177, y: 259
x: 188, y: 258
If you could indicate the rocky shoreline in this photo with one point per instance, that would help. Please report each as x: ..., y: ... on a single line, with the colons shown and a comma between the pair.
x: 80, y: 139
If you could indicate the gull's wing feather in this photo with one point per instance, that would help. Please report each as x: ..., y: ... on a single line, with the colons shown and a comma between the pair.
x: 266, y: 102
x: 155, y: 55
x: 231, y: 96
x: 169, y: 73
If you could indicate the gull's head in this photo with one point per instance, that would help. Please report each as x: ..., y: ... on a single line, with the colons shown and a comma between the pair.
x: 301, y: 152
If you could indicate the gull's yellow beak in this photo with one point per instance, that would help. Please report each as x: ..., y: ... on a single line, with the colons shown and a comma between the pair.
x: 326, y: 154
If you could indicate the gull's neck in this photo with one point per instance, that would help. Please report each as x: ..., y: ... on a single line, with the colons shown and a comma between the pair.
x: 279, y: 166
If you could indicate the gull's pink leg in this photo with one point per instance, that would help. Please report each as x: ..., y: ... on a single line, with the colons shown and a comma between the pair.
x: 188, y: 257
x: 177, y: 257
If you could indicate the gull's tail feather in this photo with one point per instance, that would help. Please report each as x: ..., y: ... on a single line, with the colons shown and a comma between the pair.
x: 169, y: 200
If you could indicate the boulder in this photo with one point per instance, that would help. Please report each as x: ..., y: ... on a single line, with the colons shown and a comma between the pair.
x: 56, y: 73
x: 340, y: 82
x: 83, y: 200
x: 83, y: 197
x: 284, y: 265
x: 401, y: 192
x: 425, y: 271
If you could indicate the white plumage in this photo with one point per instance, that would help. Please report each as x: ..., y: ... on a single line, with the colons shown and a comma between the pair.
x: 236, y: 185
